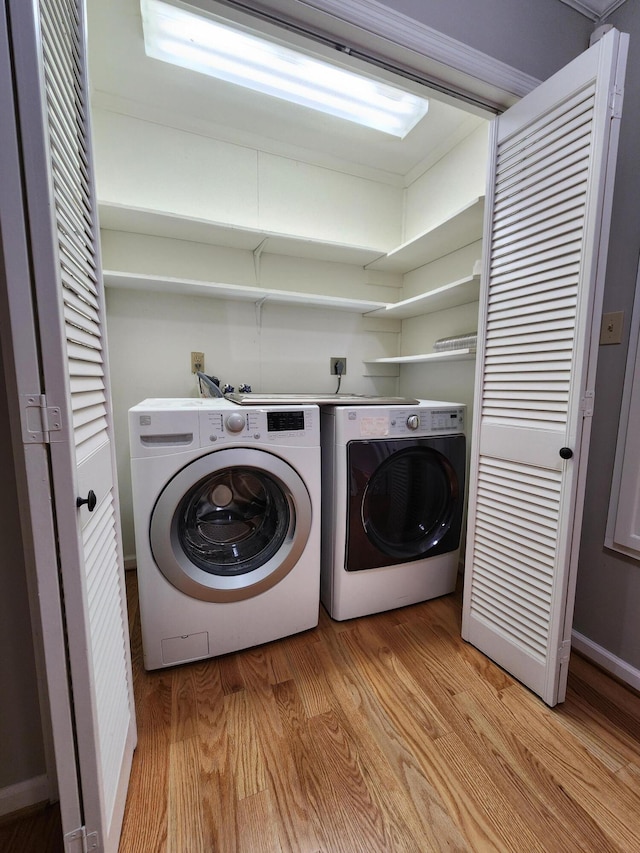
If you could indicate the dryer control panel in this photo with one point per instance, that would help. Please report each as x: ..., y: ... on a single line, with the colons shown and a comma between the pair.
x: 371, y: 422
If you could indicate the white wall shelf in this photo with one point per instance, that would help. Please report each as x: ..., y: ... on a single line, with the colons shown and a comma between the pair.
x: 460, y: 229
x: 116, y: 217
x: 450, y: 295
x: 193, y: 287
x: 450, y: 355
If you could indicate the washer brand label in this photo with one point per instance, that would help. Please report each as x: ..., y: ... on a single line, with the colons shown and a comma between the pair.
x: 374, y: 427
x: 145, y: 420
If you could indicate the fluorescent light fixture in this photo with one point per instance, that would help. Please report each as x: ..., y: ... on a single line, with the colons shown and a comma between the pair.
x: 196, y: 42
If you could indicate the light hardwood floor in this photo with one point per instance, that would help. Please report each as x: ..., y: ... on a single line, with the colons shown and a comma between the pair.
x: 386, y: 733
x: 382, y: 734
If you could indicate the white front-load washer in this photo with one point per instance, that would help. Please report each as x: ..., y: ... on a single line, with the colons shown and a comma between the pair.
x: 227, y: 524
x: 393, y: 482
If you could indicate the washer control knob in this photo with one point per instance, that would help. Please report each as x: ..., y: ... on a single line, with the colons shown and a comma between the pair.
x: 413, y: 421
x: 235, y: 422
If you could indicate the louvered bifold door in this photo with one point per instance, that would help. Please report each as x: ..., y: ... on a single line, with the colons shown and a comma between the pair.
x: 546, y: 232
x: 53, y: 106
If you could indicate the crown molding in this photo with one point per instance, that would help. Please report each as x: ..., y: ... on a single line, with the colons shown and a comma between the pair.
x: 595, y: 10
x: 403, y: 31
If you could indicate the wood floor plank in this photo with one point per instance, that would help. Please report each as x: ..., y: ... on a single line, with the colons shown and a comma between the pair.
x: 614, y: 806
x: 256, y: 825
x: 484, y: 813
x: 384, y: 734
x: 266, y: 664
x: 604, y: 715
x: 416, y: 800
x: 184, y: 703
x: 186, y: 827
x: 310, y: 676
x: 294, y: 824
x: 243, y: 732
x: 394, y: 687
x: 491, y: 734
x: 145, y: 818
x: 37, y: 830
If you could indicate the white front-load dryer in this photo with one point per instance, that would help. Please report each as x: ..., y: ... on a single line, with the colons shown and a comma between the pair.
x: 227, y: 523
x: 393, y: 485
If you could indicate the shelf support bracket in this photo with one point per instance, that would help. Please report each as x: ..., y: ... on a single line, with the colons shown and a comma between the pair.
x: 257, y: 252
x: 258, y: 307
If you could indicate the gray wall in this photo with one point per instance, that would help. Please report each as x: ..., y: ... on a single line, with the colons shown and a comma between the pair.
x: 21, y: 746
x: 534, y: 36
x: 608, y: 594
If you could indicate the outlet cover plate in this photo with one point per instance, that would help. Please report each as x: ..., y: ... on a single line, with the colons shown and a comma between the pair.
x: 611, y: 328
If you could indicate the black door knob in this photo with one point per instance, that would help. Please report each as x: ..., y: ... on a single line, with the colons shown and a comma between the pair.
x: 91, y: 500
x: 566, y: 452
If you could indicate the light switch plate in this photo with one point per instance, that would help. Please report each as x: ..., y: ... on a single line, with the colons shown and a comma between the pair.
x: 611, y: 327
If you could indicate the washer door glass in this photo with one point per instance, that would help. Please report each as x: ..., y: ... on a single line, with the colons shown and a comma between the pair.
x: 233, y: 521
x: 231, y: 524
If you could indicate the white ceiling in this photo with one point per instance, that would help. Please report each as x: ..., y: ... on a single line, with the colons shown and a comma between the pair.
x: 124, y: 80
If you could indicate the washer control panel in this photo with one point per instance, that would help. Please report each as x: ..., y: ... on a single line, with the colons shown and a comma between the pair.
x: 277, y: 425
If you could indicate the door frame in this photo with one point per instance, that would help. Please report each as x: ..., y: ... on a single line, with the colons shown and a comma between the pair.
x: 498, y: 84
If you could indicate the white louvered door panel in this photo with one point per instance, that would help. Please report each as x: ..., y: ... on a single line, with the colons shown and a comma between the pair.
x: 54, y: 120
x: 546, y: 231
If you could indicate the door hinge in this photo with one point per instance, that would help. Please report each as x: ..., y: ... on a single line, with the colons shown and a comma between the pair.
x: 81, y: 841
x: 615, y: 101
x: 39, y: 420
x: 587, y: 404
x: 564, y: 652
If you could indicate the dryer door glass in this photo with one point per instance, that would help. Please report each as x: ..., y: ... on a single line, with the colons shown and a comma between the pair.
x: 233, y: 521
x: 405, y: 500
x: 409, y: 502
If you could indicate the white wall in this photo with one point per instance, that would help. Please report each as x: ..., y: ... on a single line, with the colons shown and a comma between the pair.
x: 161, y: 256
x: 161, y: 168
x: 449, y: 185
x: 151, y: 337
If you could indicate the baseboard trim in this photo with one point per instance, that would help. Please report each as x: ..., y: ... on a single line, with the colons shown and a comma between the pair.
x: 606, y: 660
x: 13, y: 798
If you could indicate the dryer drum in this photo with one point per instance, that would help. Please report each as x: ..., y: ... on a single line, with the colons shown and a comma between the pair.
x: 410, y: 502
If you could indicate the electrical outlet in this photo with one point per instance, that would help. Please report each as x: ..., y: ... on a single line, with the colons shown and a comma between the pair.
x: 334, y: 362
x: 197, y: 362
x: 611, y: 328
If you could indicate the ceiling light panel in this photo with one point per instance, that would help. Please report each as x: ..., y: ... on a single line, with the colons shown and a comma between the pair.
x: 201, y: 44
